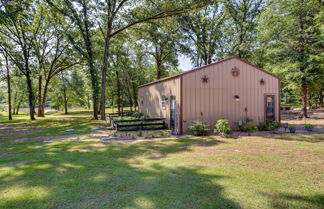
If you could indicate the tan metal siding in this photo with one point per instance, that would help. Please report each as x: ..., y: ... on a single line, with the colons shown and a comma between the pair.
x: 152, y: 98
x: 215, y: 99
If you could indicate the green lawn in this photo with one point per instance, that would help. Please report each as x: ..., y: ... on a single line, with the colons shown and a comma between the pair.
x: 211, y: 172
x: 53, y: 124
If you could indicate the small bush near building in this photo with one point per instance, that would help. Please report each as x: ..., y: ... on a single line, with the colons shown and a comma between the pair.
x: 139, y: 115
x: 198, y: 128
x: 223, y: 128
x: 140, y: 133
x: 249, y: 128
x: 292, y: 128
x: 309, y: 127
x: 129, y: 113
x: 269, y: 125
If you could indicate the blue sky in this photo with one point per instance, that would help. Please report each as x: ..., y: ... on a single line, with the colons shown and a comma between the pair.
x: 184, y: 63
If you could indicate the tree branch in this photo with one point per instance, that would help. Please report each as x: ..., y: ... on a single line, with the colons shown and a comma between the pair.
x: 160, y: 15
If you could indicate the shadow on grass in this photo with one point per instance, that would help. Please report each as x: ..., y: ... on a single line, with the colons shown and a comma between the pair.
x: 49, y: 126
x: 94, y: 175
x: 313, y: 138
x: 285, y: 200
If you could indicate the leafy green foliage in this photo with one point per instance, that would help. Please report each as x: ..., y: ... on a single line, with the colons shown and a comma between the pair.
x: 140, y: 133
x: 292, y: 127
x: 309, y: 126
x: 269, y: 125
x: 223, y: 128
x: 247, y: 126
x: 139, y: 115
x: 198, y: 128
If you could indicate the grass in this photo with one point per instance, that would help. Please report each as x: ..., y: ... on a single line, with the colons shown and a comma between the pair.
x: 52, y: 125
x: 209, y: 172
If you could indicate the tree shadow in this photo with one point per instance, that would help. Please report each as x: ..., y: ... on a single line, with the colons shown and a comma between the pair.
x: 311, y: 137
x: 83, y: 174
x: 287, y: 200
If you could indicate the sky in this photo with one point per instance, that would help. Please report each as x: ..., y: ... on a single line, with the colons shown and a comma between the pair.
x: 184, y: 63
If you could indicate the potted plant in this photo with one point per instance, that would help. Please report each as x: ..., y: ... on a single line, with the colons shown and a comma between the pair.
x: 309, y: 127
x: 292, y: 128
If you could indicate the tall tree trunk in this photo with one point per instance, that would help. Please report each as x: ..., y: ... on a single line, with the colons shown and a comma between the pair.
x: 65, y: 102
x: 88, y: 102
x: 95, y: 90
x: 134, y: 95
x: 158, y: 69
x: 122, y: 101
x: 104, y: 72
x: 30, y: 96
x: 310, y: 100
x: 44, y: 97
x: 321, y: 99
x: 64, y: 95
x: 18, y: 106
x: 39, y: 114
x: 14, y: 103
x: 304, y: 101
x: 9, y: 88
x: 129, y: 95
x: 209, y: 59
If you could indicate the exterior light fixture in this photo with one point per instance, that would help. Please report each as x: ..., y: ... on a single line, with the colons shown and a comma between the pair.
x: 262, y: 81
x: 237, y: 98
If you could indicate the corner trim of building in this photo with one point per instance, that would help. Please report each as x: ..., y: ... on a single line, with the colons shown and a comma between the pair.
x: 181, y: 104
x: 279, y: 100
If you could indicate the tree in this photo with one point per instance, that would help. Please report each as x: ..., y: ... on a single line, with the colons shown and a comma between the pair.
x: 124, y: 14
x: 53, y: 53
x: 241, y: 25
x: 202, y: 35
x: 8, y: 83
x: 20, y: 27
x: 162, y: 41
x: 295, y: 44
x: 80, y: 15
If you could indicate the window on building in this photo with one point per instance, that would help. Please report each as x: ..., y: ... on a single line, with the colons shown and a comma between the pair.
x: 164, y: 102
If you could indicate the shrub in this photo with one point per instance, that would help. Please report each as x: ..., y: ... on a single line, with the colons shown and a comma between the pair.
x: 154, y: 135
x: 139, y: 115
x: 223, y: 128
x: 140, y: 133
x: 162, y: 133
x: 168, y: 134
x: 249, y: 128
x: 198, y: 128
x: 309, y: 126
x: 246, y: 126
x: 129, y: 113
x: 165, y: 133
x: 269, y: 125
x: 292, y: 127
x: 147, y: 135
x: 144, y: 117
